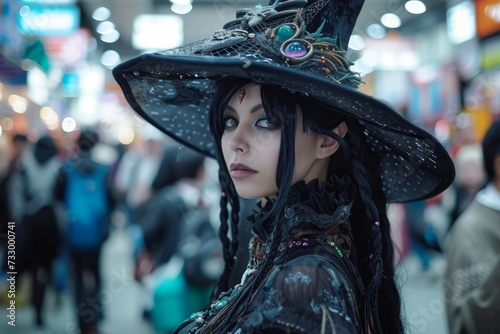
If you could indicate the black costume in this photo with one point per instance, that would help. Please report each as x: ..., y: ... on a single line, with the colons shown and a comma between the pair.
x: 311, y: 284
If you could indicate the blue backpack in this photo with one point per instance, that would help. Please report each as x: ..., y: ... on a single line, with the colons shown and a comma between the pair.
x: 87, y: 207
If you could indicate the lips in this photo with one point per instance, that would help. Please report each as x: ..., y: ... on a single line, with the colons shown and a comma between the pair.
x: 240, y: 171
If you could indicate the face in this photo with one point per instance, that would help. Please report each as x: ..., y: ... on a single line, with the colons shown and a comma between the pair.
x: 251, y: 144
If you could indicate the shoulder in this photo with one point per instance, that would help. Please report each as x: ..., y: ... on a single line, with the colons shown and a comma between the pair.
x: 304, y: 291
x: 474, y: 221
x: 315, y: 271
x: 476, y: 229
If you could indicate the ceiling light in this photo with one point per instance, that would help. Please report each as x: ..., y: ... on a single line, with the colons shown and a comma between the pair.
x: 181, y: 9
x: 181, y: 2
x: 18, y: 103
x: 104, y: 27
x: 356, y: 42
x: 101, y: 14
x: 376, y: 31
x: 415, y: 7
x: 68, y: 124
x: 126, y: 136
x: 149, y: 32
x: 45, y: 112
x: 111, y: 36
x: 390, y: 20
x: 110, y: 58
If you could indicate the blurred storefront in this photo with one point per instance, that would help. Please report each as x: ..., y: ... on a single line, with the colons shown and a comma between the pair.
x: 50, y: 79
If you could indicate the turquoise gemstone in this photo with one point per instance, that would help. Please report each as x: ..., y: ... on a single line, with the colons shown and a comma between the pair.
x: 284, y: 33
x: 221, y: 303
x: 196, y: 315
x: 296, y: 50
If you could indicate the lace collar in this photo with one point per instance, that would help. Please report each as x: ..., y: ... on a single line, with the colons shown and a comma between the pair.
x: 312, y: 207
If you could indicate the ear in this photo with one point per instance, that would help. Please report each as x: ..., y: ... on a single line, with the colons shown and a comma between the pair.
x: 327, y: 145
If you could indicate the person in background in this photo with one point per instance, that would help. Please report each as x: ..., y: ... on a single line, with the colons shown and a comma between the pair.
x: 473, y: 253
x: 471, y: 177
x: 135, y: 172
x: 85, y: 189
x: 176, y: 223
x: 38, y: 176
x: 177, y: 188
x: 10, y: 194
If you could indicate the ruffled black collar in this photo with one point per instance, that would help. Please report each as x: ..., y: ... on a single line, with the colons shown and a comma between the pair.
x: 310, y: 206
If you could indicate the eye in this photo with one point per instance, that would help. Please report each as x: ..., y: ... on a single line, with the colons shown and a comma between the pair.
x: 264, y: 122
x: 229, y: 122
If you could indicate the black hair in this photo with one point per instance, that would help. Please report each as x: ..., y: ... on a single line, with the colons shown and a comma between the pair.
x: 20, y: 138
x: 374, y: 250
x: 178, y: 162
x: 88, y: 139
x: 491, y: 148
x: 45, y: 148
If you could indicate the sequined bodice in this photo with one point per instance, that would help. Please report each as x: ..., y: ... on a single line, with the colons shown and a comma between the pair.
x: 309, y: 286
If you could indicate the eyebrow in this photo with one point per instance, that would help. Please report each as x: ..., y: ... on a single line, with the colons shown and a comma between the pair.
x: 254, y: 109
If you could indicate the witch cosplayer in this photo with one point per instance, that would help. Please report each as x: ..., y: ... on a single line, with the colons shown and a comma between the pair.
x: 271, y: 96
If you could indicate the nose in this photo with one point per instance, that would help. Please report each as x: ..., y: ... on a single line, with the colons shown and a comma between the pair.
x: 239, y: 140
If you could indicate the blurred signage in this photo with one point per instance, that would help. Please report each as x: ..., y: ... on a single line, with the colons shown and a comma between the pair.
x: 487, y: 17
x: 490, y: 55
x: 461, y: 22
x: 11, y: 73
x: 48, y: 2
x: 68, y: 50
x: 49, y: 20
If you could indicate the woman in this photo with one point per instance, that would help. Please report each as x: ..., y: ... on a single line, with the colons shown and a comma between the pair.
x: 36, y: 184
x: 287, y: 127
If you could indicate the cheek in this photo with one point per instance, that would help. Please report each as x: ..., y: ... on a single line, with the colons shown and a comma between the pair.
x: 264, y: 139
x: 224, y: 142
x: 304, y: 152
x: 272, y: 149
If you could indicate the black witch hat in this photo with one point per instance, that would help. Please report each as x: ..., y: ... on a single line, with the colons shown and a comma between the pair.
x: 299, y: 45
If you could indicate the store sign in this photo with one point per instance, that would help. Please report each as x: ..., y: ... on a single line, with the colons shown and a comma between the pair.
x: 48, y: 21
x: 68, y: 50
x: 487, y: 17
x: 461, y: 22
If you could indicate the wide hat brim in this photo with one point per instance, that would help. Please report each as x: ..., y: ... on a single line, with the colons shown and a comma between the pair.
x: 298, y: 45
x: 173, y: 93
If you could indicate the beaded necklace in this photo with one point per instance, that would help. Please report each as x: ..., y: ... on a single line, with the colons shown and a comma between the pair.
x: 210, y: 317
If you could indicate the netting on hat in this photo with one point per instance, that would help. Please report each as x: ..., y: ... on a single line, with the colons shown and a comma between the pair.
x: 413, y: 164
x: 278, y: 35
x: 172, y: 89
x: 410, y: 173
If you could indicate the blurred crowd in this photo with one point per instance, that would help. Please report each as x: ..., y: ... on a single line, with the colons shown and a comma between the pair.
x: 63, y: 197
